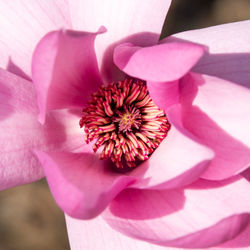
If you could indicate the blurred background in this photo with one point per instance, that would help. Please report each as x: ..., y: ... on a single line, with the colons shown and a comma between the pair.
x: 29, y: 217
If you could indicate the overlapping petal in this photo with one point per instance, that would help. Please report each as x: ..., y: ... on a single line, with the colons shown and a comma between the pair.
x: 163, y: 62
x: 64, y: 70
x: 96, y: 234
x: 172, y: 165
x: 122, y: 18
x: 208, y: 113
x: 23, y: 23
x: 81, y: 184
x: 215, y: 112
x: 20, y: 132
x: 202, y: 215
x: 229, y: 52
x: 219, y: 118
x: 84, y: 235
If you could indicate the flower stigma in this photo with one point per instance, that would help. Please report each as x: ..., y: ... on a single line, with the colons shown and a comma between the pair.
x: 124, y: 121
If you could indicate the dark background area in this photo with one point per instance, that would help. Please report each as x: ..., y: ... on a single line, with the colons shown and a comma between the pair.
x: 29, y: 217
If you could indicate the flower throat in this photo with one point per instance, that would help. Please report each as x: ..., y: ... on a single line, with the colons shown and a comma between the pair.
x: 124, y: 122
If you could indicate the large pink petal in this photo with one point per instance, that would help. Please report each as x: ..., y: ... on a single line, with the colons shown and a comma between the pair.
x: 96, y: 234
x: 64, y: 70
x: 229, y: 51
x: 121, y: 18
x: 216, y: 112
x: 23, y: 24
x: 84, y: 235
x: 173, y: 164
x: 81, y: 184
x: 163, y: 62
x: 20, y: 132
x: 202, y: 215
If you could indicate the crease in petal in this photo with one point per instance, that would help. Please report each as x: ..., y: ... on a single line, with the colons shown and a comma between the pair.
x: 81, y: 184
x: 164, y: 62
x: 215, y: 112
x: 202, y: 215
x: 64, y: 70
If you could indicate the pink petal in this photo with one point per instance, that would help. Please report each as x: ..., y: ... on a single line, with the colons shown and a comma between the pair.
x: 121, y: 18
x: 81, y: 184
x: 173, y: 164
x: 242, y: 241
x: 202, y: 215
x: 20, y: 132
x: 246, y: 174
x: 164, y: 94
x: 84, y: 235
x: 24, y: 23
x: 164, y: 62
x: 63, y: 131
x: 64, y: 70
x: 229, y: 49
x: 216, y: 112
x: 96, y: 234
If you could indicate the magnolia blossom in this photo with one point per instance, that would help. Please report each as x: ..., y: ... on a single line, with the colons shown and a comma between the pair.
x: 188, y: 149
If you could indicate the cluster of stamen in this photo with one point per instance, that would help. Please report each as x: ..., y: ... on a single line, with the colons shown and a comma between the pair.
x: 125, y: 123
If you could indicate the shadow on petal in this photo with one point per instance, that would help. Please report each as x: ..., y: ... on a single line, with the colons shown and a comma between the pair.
x: 149, y: 203
x: 109, y: 70
x: 13, y: 68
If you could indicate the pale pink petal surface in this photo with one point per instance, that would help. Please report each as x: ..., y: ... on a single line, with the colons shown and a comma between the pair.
x: 215, y: 113
x: 219, y: 117
x: 163, y: 62
x: 98, y: 235
x: 81, y: 184
x: 23, y: 23
x: 172, y: 165
x: 229, y: 51
x: 20, y: 132
x: 121, y: 18
x: 202, y: 215
x: 64, y: 70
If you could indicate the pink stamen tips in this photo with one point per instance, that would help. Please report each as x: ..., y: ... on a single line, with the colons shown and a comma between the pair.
x: 124, y: 120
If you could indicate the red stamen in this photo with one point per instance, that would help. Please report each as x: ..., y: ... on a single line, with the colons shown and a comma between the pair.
x: 123, y: 117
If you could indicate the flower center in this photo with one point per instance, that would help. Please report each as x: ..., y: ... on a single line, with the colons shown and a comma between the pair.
x: 124, y: 121
x: 128, y: 118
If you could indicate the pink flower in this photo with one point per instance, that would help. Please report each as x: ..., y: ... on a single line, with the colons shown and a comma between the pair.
x: 191, y: 192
